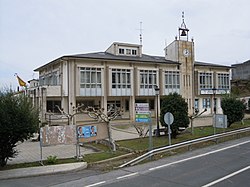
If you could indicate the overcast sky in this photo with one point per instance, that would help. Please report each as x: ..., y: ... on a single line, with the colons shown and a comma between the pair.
x: 35, y: 32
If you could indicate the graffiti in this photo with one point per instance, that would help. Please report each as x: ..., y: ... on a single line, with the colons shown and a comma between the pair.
x: 56, y: 135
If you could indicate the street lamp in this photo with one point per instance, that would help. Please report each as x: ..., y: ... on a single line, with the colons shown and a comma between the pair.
x: 214, y: 92
x: 157, y: 91
x: 214, y: 104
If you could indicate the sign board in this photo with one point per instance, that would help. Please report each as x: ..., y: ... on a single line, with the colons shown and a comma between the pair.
x: 92, y: 132
x: 217, y: 91
x: 220, y: 121
x: 142, y: 113
x: 168, y: 118
x: 56, y: 135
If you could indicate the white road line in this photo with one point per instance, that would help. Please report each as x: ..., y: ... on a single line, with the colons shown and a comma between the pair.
x: 190, y: 158
x: 226, y: 177
x: 126, y: 176
x: 96, y: 184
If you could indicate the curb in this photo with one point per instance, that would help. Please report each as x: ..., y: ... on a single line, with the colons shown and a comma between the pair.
x: 41, y: 170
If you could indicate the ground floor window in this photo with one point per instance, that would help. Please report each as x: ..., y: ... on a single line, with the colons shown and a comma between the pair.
x: 86, y: 103
x: 206, y: 103
x: 52, y: 106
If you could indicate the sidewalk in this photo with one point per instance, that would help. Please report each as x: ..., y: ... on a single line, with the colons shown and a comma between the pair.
x: 42, y: 170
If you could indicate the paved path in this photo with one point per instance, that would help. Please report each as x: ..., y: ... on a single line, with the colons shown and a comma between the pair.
x: 30, y: 151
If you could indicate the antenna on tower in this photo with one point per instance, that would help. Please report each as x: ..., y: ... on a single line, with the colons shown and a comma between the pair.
x: 141, y: 33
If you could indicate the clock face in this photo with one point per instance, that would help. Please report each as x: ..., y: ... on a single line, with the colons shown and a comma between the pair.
x: 186, y: 52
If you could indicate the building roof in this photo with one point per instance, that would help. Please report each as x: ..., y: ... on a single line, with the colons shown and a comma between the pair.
x: 241, y: 64
x: 197, y: 63
x: 144, y: 58
x: 107, y: 56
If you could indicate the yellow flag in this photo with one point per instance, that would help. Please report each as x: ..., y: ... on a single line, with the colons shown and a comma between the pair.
x: 20, y: 81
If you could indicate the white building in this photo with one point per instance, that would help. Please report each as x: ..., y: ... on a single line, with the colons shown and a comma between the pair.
x: 122, y: 76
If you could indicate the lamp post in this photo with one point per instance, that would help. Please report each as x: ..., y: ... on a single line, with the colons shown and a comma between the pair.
x: 157, y: 91
x: 214, y: 92
x: 214, y: 105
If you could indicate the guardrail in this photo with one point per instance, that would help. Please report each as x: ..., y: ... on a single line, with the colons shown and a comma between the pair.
x: 183, y: 144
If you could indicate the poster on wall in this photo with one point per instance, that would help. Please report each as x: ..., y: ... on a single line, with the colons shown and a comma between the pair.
x: 87, y: 131
x: 92, y: 132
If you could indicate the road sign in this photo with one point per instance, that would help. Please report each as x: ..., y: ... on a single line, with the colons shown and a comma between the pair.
x: 142, y: 112
x: 168, y: 118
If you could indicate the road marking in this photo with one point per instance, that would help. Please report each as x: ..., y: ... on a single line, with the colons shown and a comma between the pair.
x: 126, y: 176
x: 96, y: 184
x: 205, y: 154
x: 226, y: 177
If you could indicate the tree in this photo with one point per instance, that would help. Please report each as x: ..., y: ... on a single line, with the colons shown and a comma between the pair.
x: 175, y: 104
x: 234, y: 109
x: 18, y: 121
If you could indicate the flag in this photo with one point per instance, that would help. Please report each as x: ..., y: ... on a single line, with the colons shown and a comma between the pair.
x: 20, y: 81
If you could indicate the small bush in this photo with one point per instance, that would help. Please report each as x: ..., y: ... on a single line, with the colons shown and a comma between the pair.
x: 51, y: 159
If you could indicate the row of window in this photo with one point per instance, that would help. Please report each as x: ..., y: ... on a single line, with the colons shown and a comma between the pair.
x: 50, y: 79
x: 206, y: 103
x: 206, y: 81
x: 123, y: 51
x: 121, y: 78
x: 52, y: 105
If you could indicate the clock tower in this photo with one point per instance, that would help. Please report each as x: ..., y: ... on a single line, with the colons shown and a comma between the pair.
x: 182, y: 50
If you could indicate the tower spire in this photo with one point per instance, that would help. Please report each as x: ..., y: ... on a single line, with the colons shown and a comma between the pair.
x: 183, y: 30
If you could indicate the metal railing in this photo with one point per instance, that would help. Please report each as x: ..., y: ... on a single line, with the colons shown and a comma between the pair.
x: 183, y: 144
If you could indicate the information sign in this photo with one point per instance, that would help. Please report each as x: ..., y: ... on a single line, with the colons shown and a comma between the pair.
x: 142, y: 112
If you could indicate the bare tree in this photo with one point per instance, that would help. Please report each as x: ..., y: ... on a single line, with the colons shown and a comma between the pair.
x: 76, y: 110
x: 99, y: 114
x: 141, y: 130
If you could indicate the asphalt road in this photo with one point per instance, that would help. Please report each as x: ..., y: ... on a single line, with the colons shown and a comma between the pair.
x: 226, y: 164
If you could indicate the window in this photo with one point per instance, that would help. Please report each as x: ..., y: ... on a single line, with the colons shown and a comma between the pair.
x: 41, y: 80
x: 86, y: 103
x: 113, y: 105
x: 196, y: 104
x: 206, y: 103
x: 205, y: 80
x: 223, y: 81
x: 151, y: 104
x: 121, y: 78
x: 90, y: 78
x: 121, y: 51
x: 52, y: 106
x: 134, y: 52
x: 127, y: 105
x: 55, y: 78
x: 128, y: 51
x: 147, y: 79
x: 172, y: 79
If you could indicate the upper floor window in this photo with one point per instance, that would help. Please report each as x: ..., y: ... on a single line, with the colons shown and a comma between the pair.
x: 134, y: 52
x: 223, y: 81
x: 172, y: 79
x: 90, y: 77
x: 128, y: 51
x: 121, y: 78
x: 147, y: 78
x: 205, y: 80
x: 121, y: 51
x: 50, y: 79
